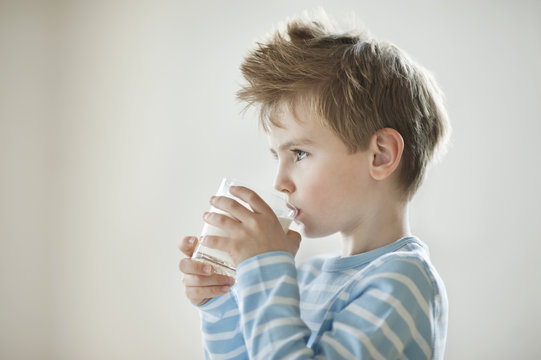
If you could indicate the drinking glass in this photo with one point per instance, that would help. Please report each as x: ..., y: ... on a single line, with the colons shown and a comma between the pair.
x: 220, y: 260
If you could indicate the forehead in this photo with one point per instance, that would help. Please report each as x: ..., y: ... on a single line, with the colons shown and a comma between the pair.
x: 295, y: 122
x: 295, y: 116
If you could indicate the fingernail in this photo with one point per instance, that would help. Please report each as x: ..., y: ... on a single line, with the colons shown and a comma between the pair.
x: 224, y: 289
x: 212, y: 199
x: 207, y: 269
x: 230, y: 281
x: 191, y: 241
x: 205, y: 215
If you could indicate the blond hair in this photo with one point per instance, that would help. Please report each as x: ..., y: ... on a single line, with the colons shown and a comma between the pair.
x: 355, y: 84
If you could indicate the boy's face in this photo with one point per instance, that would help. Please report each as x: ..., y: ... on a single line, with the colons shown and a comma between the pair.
x: 321, y: 178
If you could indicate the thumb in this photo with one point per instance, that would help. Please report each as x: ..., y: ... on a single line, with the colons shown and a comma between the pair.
x: 294, y: 241
x: 187, y: 245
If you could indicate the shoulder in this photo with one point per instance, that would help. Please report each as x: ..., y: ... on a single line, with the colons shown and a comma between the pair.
x: 409, y: 266
x: 406, y: 276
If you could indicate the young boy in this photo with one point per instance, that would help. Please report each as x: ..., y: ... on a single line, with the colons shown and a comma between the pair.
x: 353, y: 123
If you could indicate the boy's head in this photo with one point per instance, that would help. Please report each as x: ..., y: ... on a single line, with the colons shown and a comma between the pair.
x: 355, y: 85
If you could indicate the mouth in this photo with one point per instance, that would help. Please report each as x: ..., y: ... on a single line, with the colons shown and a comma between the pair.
x: 294, y: 211
x: 297, y: 214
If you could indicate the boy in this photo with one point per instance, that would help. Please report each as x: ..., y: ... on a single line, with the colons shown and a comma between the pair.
x: 353, y: 123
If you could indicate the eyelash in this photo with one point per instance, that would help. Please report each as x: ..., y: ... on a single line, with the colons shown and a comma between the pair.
x: 299, y: 154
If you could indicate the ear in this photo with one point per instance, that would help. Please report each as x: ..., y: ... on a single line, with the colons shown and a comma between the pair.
x: 386, y: 147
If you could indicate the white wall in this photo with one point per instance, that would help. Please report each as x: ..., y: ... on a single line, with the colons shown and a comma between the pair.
x: 118, y: 118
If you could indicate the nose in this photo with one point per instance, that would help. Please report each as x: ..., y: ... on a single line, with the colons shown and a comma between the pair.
x: 283, y: 182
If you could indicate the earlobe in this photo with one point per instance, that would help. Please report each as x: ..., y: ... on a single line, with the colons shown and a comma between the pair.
x: 387, y: 147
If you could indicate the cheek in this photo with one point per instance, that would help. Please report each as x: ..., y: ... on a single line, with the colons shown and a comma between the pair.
x: 324, y: 208
x: 334, y: 189
x: 323, y: 194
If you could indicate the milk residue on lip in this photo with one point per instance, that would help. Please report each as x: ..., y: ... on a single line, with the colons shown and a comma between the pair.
x: 294, y: 209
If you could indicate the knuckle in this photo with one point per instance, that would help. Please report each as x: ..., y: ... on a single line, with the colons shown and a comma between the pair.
x: 252, y: 196
x: 236, y: 247
x: 200, y: 268
x: 216, y: 290
x: 213, y: 217
x: 197, y: 280
x: 184, y: 265
x: 238, y: 206
x: 293, y: 235
x: 192, y: 292
x: 199, y: 292
x: 251, y: 221
x: 221, y: 219
x: 227, y: 201
x: 258, y: 226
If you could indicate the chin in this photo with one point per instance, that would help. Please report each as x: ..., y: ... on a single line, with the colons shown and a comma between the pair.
x: 313, y: 232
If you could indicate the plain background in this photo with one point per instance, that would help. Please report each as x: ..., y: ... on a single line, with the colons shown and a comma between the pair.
x: 118, y: 120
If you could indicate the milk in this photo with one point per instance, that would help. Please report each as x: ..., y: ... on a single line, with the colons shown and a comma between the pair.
x: 220, y: 260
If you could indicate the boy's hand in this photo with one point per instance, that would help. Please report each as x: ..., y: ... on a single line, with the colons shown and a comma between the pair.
x: 199, y: 280
x: 250, y: 233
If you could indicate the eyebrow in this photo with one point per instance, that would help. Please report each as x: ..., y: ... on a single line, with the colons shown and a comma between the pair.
x: 293, y: 143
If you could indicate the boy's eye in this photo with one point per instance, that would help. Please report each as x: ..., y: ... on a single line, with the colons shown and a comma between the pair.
x: 299, y: 154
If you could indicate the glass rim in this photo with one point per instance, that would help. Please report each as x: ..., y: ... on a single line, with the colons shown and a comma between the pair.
x: 280, y: 205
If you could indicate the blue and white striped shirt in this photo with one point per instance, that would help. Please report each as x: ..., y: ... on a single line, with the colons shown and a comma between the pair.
x: 388, y: 303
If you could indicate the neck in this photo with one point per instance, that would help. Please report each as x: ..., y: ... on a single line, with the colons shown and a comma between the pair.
x: 380, y: 228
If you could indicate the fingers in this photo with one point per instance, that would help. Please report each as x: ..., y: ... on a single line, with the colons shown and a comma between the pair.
x: 199, y: 295
x: 250, y: 197
x: 187, y: 245
x: 194, y: 267
x: 293, y: 236
x: 218, y: 242
x: 200, y: 283
x: 197, y: 273
x: 294, y: 241
x: 224, y: 222
x: 231, y: 206
x: 209, y: 280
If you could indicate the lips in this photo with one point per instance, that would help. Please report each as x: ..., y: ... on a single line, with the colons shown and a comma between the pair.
x: 294, y: 211
x: 296, y: 219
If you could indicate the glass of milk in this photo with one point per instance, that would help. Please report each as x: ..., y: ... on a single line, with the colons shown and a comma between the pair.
x: 220, y: 260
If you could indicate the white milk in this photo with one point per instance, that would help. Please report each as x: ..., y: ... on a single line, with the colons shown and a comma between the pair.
x: 221, y: 260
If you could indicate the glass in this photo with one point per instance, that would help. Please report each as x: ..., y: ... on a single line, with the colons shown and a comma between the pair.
x: 220, y: 260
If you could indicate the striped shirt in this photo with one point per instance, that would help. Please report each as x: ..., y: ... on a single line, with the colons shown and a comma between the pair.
x: 388, y: 303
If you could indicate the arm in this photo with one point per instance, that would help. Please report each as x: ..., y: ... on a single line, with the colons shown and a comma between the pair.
x: 218, y: 308
x: 222, y: 336
x: 268, y: 296
x: 382, y: 317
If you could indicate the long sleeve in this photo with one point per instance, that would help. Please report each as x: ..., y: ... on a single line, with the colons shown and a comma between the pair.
x: 269, y: 302
x: 389, y: 311
x: 222, y: 337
